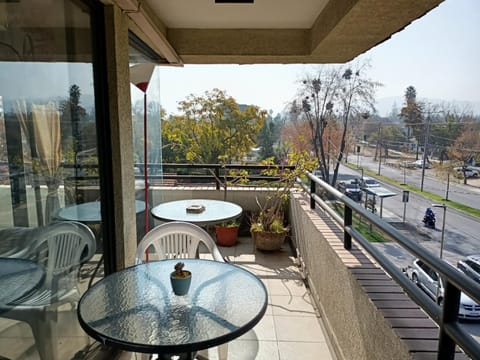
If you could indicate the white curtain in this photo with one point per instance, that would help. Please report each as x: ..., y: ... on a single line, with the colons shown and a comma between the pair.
x: 46, y: 129
x: 46, y: 138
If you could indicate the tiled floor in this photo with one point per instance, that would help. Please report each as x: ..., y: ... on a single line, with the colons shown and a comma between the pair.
x: 291, y: 328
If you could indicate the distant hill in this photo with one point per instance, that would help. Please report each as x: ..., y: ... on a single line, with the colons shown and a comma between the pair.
x: 384, y: 105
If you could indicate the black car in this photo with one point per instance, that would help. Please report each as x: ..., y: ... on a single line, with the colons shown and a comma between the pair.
x: 351, y: 189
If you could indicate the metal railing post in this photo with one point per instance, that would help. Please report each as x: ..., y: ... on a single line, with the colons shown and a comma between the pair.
x: 217, y: 176
x: 451, y: 301
x: 347, y: 221
x: 313, y: 190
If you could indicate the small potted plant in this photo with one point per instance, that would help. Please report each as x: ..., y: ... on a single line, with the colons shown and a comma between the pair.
x: 180, y: 279
x: 227, y: 233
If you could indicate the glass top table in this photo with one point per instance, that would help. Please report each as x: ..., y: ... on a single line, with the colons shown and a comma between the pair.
x: 136, y: 310
x: 215, y: 212
x: 89, y: 212
x: 18, y: 277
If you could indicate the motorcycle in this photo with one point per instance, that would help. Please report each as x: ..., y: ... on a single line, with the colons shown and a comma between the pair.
x: 429, y: 218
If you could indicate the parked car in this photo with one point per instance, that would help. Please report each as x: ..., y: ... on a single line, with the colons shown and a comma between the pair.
x: 367, y: 182
x: 471, y: 266
x: 351, y: 188
x: 468, y: 172
x: 429, y: 281
x: 317, y: 173
x: 419, y: 164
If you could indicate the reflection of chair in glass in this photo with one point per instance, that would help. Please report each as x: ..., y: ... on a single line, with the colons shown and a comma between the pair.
x: 15, y: 242
x: 176, y: 240
x: 61, y: 248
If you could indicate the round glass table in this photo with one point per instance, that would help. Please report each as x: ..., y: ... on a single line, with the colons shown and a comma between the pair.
x: 18, y: 277
x: 136, y: 310
x: 215, y: 212
x: 89, y: 212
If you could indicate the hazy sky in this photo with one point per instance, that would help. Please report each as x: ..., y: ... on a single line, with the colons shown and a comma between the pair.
x: 439, y: 54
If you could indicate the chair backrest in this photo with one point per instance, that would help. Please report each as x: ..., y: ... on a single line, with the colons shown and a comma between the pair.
x: 175, y: 240
x: 61, y: 248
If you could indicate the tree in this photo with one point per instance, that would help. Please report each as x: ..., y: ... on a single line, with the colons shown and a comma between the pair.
x: 329, y: 100
x: 174, y: 139
x: 412, y: 112
x: 216, y: 129
x: 154, y: 134
x: 466, y: 147
x: 268, y: 137
x: 388, y: 137
x: 72, y: 116
x: 447, y: 127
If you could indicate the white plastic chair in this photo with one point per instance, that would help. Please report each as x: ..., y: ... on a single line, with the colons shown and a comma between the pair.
x: 61, y: 248
x: 177, y: 240
x: 180, y: 240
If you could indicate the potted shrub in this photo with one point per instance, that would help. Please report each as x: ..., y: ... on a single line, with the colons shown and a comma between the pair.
x: 227, y: 233
x: 268, y: 226
x: 180, y: 279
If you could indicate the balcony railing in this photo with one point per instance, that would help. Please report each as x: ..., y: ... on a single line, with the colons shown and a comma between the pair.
x: 446, y: 316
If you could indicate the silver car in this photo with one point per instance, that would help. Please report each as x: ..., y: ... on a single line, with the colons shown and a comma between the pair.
x: 429, y: 281
x: 471, y: 266
x: 367, y: 182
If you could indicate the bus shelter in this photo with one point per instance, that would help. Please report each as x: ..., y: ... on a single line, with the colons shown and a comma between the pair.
x: 371, y: 195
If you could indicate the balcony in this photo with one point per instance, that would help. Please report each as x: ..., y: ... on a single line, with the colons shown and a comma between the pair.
x: 325, y: 301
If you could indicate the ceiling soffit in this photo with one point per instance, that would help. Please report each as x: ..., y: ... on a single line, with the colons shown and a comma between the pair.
x: 270, y: 31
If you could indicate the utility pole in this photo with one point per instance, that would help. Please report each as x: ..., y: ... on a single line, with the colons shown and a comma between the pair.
x: 379, y: 147
x: 427, y: 135
x: 448, y: 186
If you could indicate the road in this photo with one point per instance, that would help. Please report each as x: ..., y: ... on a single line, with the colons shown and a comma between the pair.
x: 457, y: 191
x: 461, y: 236
x: 462, y: 231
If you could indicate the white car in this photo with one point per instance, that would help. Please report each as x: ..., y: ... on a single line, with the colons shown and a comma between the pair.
x: 419, y: 164
x: 470, y: 265
x: 367, y: 182
x: 428, y: 280
x: 469, y: 172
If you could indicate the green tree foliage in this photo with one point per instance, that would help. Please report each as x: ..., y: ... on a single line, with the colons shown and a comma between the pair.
x: 268, y: 137
x: 213, y: 128
x: 175, y: 139
x: 73, y: 117
x: 446, y: 127
x: 334, y: 94
x: 412, y: 113
x: 389, y: 137
x: 154, y: 134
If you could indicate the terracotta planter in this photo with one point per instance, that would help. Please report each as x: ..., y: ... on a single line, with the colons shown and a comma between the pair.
x: 268, y: 241
x: 180, y: 285
x: 226, y: 235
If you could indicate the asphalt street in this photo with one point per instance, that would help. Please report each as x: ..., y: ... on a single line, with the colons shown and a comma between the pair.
x: 462, y: 231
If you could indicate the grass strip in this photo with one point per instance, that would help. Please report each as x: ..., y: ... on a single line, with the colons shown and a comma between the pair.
x: 436, y: 198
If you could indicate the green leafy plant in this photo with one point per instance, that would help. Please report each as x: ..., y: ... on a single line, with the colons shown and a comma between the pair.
x: 271, y: 215
x: 231, y: 223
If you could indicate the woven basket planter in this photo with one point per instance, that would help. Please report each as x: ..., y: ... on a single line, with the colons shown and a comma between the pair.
x: 268, y: 241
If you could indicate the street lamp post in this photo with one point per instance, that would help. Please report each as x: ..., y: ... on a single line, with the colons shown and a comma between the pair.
x: 443, y: 226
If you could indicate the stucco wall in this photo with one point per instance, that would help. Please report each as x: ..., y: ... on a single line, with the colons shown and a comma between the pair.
x: 243, y: 196
x: 357, y: 329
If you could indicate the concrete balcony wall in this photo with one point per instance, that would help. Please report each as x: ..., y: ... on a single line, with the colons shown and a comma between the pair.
x: 356, y: 328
